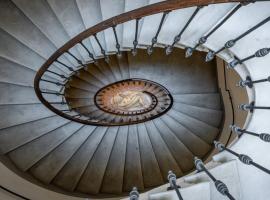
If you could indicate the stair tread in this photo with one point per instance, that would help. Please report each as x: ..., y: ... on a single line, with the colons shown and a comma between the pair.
x: 211, y: 117
x: 188, y: 138
x: 181, y: 152
x: 11, y: 138
x: 165, y: 158
x: 55, y: 160
x: 93, y: 175
x: 133, y: 171
x: 204, y: 131
x: 150, y: 168
x: 28, y: 154
x: 18, y: 114
x: 116, y: 165
x: 71, y: 173
x: 211, y: 101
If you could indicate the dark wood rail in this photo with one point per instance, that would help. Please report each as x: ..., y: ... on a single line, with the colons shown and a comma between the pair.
x: 134, y: 14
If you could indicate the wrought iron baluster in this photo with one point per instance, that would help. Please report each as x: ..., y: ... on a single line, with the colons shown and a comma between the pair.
x: 52, y: 92
x: 202, y: 40
x: 101, y: 48
x: 260, y: 53
x: 78, y: 60
x: 242, y: 157
x: 66, y: 66
x: 251, y: 107
x: 134, y: 194
x: 56, y: 83
x: 172, y: 181
x: 263, y: 136
x: 178, y: 37
x: 89, y: 53
x: 60, y: 75
x: 220, y: 186
x: 135, y: 42
x: 154, y: 39
x: 117, y: 46
x: 211, y: 54
x: 248, y: 82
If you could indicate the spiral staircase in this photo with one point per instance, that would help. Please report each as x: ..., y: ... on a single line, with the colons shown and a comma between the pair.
x: 103, y: 98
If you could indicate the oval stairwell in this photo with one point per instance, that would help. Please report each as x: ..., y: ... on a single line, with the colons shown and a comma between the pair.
x: 99, y: 97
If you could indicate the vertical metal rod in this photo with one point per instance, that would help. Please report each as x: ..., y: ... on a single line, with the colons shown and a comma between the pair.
x: 100, y: 46
x: 178, y: 37
x: 89, y: 53
x: 60, y: 75
x: 134, y: 194
x: 260, y: 53
x: 202, y: 40
x: 242, y: 157
x: 63, y: 64
x: 220, y: 186
x: 116, y: 40
x: 211, y: 54
x: 135, y: 42
x: 154, y: 39
x: 172, y: 181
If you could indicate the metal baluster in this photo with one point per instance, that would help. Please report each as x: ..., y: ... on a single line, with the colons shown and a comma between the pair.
x: 101, y: 48
x: 260, y: 53
x: 135, y: 42
x: 250, y: 107
x: 52, y: 92
x: 242, y: 157
x: 134, y: 194
x: 154, y: 39
x: 78, y: 60
x: 56, y: 83
x: 89, y: 53
x: 202, y: 40
x: 63, y: 64
x: 248, y: 82
x: 172, y: 181
x: 220, y: 186
x: 211, y: 54
x: 263, y: 136
x: 117, y: 46
x: 178, y: 37
x: 60, y: 75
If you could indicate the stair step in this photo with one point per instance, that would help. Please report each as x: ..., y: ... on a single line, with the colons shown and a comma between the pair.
x: 11, y: 138
x: 55, y: 160
x: 108, y: 10
x: 81, y: 84
x: 106, y: 70
x: 181, y: 152
x: 91, y: 15
x: 150, y: 168
x: 163, y: 154
x: 124, y: 65
x: 133, y: 171
x: 129, y: 27
x: 78, y: 93
x: 18, y: 114
x: 86, y: 76
x: 73, y: 171
x: 209, y: 116
x: 204, y: 131
x: 94, y: 71
x: 187, y: 137
x: 27, y: 155
x: 14, y: 22
x: 115, y: 169
x: 69, y: 16
x: 212, y: 101
x: 93, y: 175
x: 113, y: 64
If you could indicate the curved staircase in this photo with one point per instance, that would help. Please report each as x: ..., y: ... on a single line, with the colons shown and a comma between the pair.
x: 65, y: 138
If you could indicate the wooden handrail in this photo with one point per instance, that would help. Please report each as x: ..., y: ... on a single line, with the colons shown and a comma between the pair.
x: 131, y: 15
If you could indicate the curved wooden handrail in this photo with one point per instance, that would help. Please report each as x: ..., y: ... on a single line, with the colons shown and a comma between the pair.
x: 131, y: 15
